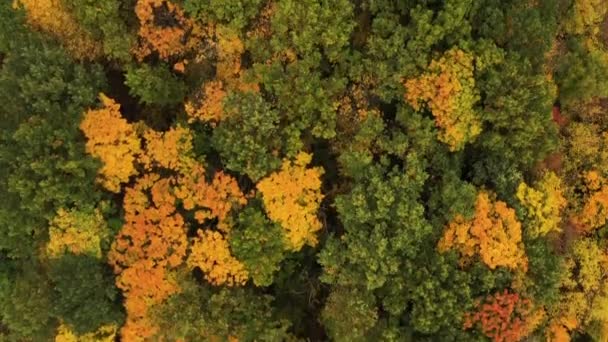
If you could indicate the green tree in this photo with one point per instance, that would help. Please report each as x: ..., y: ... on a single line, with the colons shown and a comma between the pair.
x: 258, y: 243
x: 155, y: 85
x: 249, y: 140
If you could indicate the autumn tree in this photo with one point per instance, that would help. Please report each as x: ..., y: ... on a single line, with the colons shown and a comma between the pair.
x: 150, y: 244
x: 505, y: 317
x: 54, y: 18
x: 113, y: 140
x: 448, y: 89
x: 543, y: 205
x: 494, y: 233
x: 292, y: 198
x: 77, y: 232
x: 210, y: 252
x: 163, y: 28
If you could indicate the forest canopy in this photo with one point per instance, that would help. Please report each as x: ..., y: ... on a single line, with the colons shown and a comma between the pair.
x: 303, y: 170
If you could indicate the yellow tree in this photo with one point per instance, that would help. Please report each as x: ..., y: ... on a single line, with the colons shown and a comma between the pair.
x: 76, y: 232
x: 584, y: 292
x: 211, y: 253
x: 448, y: 90
x: 106, y: 333
x: 170, y: 150
x: 493, y: 233
x: 52, y: 17
x: 292, y: 197
x: 543, y: 204
x: 114, y: 141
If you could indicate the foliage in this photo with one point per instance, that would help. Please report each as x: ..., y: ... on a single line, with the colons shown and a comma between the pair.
x: 105, y: 22
x: 52, y: 17
x: 543, y: 205
x: 77, y: 232
x: 211, y: 253
x: 113, y: 140
x: 292, y: 198
x: 235, y: 13
x: 349, y: 314
x: 247, y: 140
x: 282, y: 170
x: 155, y: 85
x: 494, y: 234
x: 448, y: 89
x: 226, y: 313
x: 504, y: 317
x: 254, y: 241
x: 84, y: 295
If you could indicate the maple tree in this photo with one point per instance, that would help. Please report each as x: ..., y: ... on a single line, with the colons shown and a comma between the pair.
x: 448, y: 89
x: 494, y: 233
x: 292, y: 197
x: 505, y: 317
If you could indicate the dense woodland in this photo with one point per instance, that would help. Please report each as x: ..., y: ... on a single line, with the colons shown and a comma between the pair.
x: 303, y: 170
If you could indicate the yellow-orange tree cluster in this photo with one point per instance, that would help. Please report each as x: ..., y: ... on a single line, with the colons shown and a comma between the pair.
x: 151, y: 243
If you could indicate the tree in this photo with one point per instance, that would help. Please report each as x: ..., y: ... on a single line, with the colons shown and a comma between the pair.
x: 234, y: 13
x: 150, y: 244
x: 52, y: 17
x: 383, y: 220
x: 107, y: 24
x: 505, y: 317
x: 258, y: 243
x: 448, y: 89
x: 113, y: 140
x: 211, y: 253
x: 349, y: 314
x: 84, y: 295
x: 77, y: 232
x: 247, y: 139
x: 494, y: 234
x: 292, y: 198
x: 155, y: 85
x: 544, y: 205
x: 200, y: 311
